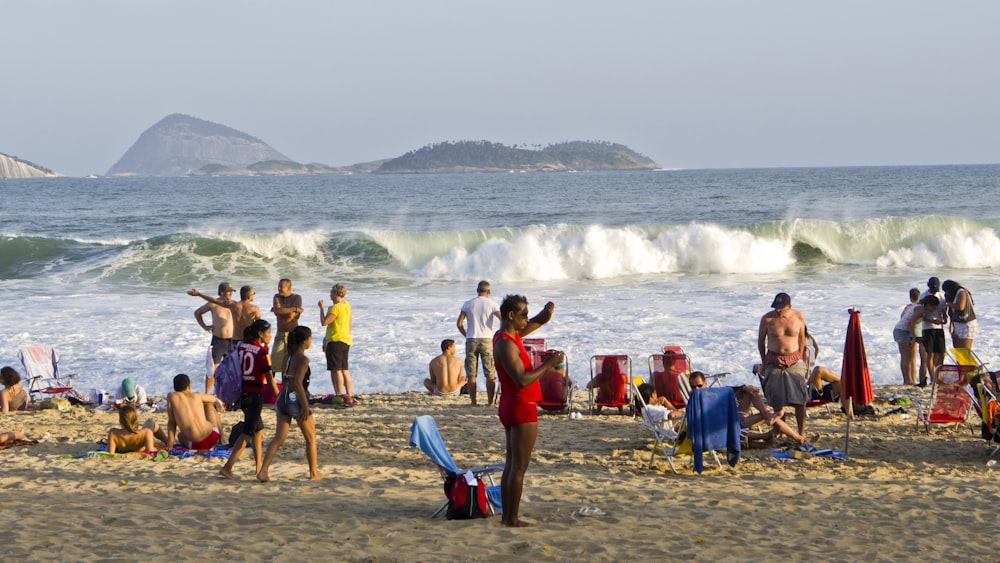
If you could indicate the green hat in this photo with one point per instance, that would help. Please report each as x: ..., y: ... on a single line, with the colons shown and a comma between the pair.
x: 128, y: 388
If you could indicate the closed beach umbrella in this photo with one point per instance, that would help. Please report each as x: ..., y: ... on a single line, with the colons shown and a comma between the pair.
x: 855, y: 381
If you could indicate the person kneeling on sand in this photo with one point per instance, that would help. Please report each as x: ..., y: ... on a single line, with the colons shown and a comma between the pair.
x: 445, y: 372
x: 130, y: 438
x: 194, y: 415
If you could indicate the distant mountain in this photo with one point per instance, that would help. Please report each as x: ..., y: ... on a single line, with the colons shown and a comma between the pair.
x: 181, y: 144
x: 484, y: 156
x: 12, y: 167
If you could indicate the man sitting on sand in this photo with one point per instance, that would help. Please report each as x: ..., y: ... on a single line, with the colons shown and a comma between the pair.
x: 445, y: 372
x: 196, y: 415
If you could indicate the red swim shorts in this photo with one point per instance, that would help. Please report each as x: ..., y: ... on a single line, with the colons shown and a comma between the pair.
x: 512, y: 413
x: 207, y: 443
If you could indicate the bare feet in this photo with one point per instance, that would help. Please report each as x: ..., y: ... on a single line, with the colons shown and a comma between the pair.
x: 263, y: 477
x: 815, y: 439
x: 225, y: 472
x: 317, y: 475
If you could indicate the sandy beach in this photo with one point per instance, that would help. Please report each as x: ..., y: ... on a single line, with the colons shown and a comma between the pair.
x: 904, y: 494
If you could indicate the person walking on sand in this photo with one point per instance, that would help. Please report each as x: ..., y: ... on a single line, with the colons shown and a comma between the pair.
x: 257, y: 373
x: 287, y: 308
x: 221, y: 327
x: 292, y: 403
x: 520, y: 393
x: 445, y: 372
x: 781, y: 342
x: 479, y: 312
x: 337, y: 342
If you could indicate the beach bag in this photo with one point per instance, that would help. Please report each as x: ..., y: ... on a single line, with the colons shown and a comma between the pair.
x: 466, y: 496
x: 229, y: 378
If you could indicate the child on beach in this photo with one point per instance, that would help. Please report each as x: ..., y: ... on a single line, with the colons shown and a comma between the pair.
x: 256, y: 362
x: 130, y: 438
x: 292, y: 403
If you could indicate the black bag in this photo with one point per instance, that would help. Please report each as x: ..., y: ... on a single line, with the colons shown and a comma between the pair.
x: 465, y: 500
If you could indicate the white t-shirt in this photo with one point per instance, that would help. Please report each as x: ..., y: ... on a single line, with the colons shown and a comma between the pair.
x: 479, y: 313
x: 140, y: 395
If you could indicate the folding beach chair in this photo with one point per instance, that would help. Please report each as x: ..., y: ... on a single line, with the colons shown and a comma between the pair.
x: 557, y: 387
x: 609, y: 382
x: 41, y: 368
x: 425, y: 436
x: 965, y: 357
x: 533, y: 344
x: 668, y: 372
x: 663, y: 433
x: 950, y: 401
x: 713, y: 423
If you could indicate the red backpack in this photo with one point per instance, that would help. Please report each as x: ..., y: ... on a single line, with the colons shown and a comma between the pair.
x: 466, y: 496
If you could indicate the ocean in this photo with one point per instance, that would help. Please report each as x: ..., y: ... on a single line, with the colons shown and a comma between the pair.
x: 98, y: 268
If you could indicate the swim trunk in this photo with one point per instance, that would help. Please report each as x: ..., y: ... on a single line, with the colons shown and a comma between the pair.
x: 513, y: 413
x: 786, y: 386
x: 934, y: 340
x: 966, y: 331
x: 287, y: 404
x: 826, y: 395
x: 901, y: 336
x: 206, y: 443
x: 479, y: 348
x: 438, y: 392
x: 336, y: 355
x: 251, y: 404
x: 220, y: 347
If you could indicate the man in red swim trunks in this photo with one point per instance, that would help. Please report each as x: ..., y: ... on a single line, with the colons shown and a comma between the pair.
x: 196, y: 415
x: 520, y: 391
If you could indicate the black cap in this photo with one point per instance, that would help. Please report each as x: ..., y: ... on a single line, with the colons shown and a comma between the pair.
x: 934, y: 283
x: 781, y: 301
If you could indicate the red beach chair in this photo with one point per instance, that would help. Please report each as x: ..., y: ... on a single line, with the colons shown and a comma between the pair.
x: 557, y: 388
x: 668, y: 372
x: 950, y: 401
x: 609, y: 382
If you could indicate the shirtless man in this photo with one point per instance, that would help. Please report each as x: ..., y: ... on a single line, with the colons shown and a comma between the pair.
x: 445, y: 372
x: 221, y: 327
x: 287, y: 308
x: 781, y: 341
x: 244, y: 311
x: 196, y: 415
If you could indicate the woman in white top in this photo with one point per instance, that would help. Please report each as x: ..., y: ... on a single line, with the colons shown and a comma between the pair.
x: 905, y: 335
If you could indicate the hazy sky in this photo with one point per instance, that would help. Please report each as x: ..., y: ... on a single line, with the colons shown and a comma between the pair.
x: 690, y: 84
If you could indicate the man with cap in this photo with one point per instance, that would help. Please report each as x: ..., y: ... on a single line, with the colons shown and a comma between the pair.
x: 131, y: 393
x: 221, y: 327
x: 932, y: 327
x: 480, y: 312
x: 781, y: 341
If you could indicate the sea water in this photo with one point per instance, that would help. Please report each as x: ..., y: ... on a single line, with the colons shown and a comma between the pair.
x: 98, y: 268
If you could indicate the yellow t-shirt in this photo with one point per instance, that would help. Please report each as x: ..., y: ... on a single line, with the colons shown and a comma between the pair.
x: 340, y: 329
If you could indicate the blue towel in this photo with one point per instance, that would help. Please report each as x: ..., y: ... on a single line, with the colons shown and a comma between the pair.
x: 825, y: 453
x: 713, y: 422
x: 493, y: 494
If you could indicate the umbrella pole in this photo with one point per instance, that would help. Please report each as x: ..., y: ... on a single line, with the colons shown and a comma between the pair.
x: 847, y: 435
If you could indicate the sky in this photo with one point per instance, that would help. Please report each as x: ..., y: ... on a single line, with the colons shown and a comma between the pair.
x: 708, y: 84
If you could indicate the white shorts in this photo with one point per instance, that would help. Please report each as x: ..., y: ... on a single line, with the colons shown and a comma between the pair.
x: 965, y: 331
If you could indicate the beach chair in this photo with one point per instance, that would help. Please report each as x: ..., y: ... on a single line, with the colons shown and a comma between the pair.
x: 668, y: 372
x: 41, y: 369
x: 950, y: 401
x: 967, y: 358
x: 533, y: 344
x: 984, y: 400
x: 609, y: 382
x: 664, y: 435
x: 557, y: 387
x: 425, y: 436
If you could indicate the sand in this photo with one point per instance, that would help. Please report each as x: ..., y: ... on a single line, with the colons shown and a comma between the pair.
x: 904, y: 494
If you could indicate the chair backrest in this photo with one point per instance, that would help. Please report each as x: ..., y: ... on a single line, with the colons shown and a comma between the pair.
x: 667, y: 370
x: 555, y: 392
x: 425, y: 436
x: 950, y: 401
x: 39, y: 361
x: 533, y: 344
x: 611, y: 376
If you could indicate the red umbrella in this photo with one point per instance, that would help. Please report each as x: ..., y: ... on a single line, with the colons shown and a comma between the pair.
x: 855, y: 382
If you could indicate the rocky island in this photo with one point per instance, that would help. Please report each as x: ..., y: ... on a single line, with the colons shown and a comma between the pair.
x: 12, y: 167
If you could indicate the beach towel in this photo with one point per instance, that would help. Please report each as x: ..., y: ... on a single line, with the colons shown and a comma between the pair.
x: 18, y: 442
x: 220, y: 450
x: 102, y: 450
x: 809, y: 450
x: 713, y: 423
